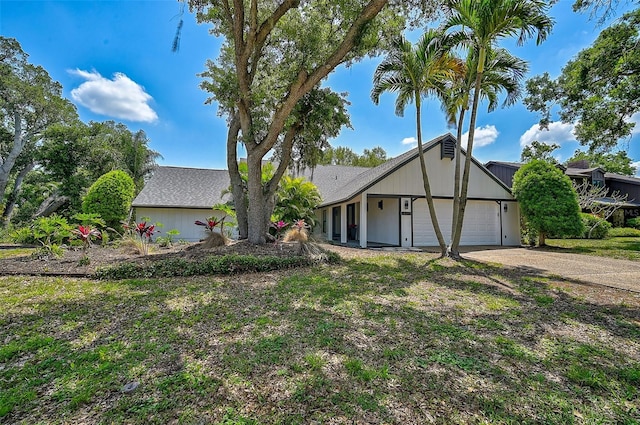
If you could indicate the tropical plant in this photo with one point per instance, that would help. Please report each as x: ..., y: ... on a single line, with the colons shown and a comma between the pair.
x: 209, y: 224
x: 278, y: 227
x: 144, y: 233
x: 547, y: 200
x: 297, y: 199
x: 413, y: 73
x: 478, y: 25
x: 168, y: 240
x: 86, y: 234
x: 110, y: 197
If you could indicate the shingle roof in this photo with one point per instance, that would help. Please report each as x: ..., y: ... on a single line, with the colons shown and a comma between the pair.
x: 201, y: 188
x: 180, y: 187
x: 348, y: 189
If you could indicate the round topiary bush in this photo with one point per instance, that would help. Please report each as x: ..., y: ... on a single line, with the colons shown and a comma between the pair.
x: 548, y: 201
x: 110, y: 197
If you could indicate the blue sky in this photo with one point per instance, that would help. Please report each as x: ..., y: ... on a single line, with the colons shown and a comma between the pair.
x: 114, y: 61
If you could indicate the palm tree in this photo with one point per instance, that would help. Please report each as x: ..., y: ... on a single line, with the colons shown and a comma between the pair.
x: 503, y: 72
x: 413, y: 73
x: 479, y: 25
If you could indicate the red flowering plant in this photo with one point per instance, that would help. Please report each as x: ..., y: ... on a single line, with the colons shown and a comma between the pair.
x: 209, y: 224
x: 86, y: 234
x: 279, y: 227
x: 145, y: 233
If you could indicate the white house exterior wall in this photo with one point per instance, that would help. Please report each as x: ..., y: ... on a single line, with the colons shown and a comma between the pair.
x: 182, y: 219
x: 383, y: 225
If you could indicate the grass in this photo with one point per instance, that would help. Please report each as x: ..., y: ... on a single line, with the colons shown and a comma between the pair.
x: 624, y: 248
x: 392, y: 339
x: 15, y: 252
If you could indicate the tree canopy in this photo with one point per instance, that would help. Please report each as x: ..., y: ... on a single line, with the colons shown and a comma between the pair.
x: 618, y: 162
x: 30, y: 102
x: 598, y: 91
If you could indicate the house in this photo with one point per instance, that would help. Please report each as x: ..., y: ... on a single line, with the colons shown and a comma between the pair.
x: 386, y: 205
x: 580, y: 171
x: 177, y: 197
x: 381, y: 206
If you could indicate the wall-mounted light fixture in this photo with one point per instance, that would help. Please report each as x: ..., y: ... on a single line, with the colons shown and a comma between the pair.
x: 406, y: 205
x: 506, y: 207
x: 380, y: 204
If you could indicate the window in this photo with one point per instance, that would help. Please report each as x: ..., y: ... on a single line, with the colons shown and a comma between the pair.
x: 324, y: 221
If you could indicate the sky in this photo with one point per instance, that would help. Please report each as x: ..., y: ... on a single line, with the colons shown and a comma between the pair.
x: 115, y: 62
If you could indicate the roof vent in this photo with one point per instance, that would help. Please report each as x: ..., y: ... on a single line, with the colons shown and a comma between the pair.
x: 448, y: 148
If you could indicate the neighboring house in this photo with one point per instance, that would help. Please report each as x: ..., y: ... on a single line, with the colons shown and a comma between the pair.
x: 381, y: 206
x: 386, y: 205
x: 177, y: 197
x: 580, y: 171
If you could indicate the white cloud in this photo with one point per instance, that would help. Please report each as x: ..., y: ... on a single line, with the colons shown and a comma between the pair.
x: 483, y: 136
x: 119, y: 97
x: 410, y: 141
x: 636, y: 165
x: 558, y: 133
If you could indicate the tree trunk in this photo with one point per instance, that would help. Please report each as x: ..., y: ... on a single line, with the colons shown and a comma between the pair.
x: 467, y: 160
x: 13, y: 198
x: 451, y: 252
x: 427, y: 185
x: 542, y: 239
x: 237, y: 185
x: 51, y: 205
x: 257, y: 201
x: 7, y: 164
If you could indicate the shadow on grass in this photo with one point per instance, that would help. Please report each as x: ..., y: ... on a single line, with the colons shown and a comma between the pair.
x: 392, y: 339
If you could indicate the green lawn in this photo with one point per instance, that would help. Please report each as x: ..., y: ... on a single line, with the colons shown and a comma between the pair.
x: 626, y: 248
x: 398, y: 339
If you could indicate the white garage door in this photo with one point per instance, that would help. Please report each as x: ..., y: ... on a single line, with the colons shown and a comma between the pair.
x: 481, y: 223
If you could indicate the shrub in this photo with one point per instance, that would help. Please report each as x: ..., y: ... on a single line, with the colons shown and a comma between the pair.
x: 594, y: 227
x: 634, y: 222
x: 624, y: 232
x: 297, y: 199
x: 223, y: 264
x: 49, y: 232
x: 548, y: 200
x: 110, y: 197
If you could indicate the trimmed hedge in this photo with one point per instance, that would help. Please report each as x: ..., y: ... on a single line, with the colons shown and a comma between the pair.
x: 221, y: 264
x: 634, y: 222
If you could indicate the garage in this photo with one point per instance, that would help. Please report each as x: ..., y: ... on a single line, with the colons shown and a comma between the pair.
x: 481, y: 222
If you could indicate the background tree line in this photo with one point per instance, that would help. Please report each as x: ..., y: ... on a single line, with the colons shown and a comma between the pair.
x: 48, y: 157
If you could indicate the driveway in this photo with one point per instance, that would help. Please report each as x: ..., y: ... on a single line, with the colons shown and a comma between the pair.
x: 623, y: 274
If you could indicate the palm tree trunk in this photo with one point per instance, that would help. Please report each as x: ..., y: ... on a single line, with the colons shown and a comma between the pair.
x: 427, y: 186
x: 467, y: 160
x: 456, y: 186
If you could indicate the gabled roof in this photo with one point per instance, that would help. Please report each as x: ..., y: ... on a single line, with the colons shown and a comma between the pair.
x: 364, y: 180
x: 179, y: 187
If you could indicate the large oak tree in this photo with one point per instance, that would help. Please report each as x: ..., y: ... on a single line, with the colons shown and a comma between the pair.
x: 275, y: 52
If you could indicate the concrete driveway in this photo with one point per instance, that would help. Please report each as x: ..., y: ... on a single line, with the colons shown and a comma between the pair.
x: 623, y: 274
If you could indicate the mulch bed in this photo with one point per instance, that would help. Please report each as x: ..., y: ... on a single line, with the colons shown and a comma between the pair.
x: 70, y: 263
